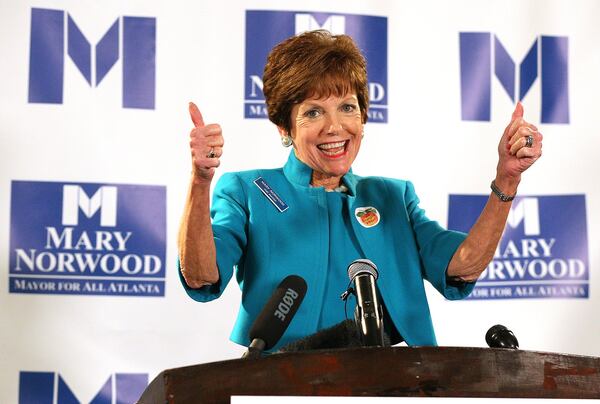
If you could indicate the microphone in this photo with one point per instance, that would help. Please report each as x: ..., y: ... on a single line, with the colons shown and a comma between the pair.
x: 501, y: 337
x: 368, y: 314
x: 341, y: 335
x: 276, y: 316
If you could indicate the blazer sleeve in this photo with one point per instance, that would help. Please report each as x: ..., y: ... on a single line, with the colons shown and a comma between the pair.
x: 229, y: 216
x: 436, y: 248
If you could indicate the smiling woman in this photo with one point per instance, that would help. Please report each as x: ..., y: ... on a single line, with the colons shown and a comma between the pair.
x: 315, y: 87
x: 326, y: 134
x: 314, y: 216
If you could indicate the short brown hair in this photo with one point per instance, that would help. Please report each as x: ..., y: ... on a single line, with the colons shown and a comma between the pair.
x: 314, y: 63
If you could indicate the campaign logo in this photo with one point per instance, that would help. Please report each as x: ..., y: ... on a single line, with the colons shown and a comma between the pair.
x: 543, y: 252
x: 265, y: 29
x: 87, y: 239
x: 548, y: 58
x: 51, y: 388
x: 133, y: 39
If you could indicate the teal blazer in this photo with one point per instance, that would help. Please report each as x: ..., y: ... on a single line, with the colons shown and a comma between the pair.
x: 265, y: 245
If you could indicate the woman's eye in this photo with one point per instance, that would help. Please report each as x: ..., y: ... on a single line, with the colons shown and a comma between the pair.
x: 312, y: 113
x: 349, y: 107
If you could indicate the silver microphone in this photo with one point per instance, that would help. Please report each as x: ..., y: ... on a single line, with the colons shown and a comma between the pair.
x: 368, y: 314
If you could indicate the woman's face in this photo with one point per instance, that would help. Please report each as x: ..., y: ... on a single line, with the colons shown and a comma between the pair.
x: 327, y: 133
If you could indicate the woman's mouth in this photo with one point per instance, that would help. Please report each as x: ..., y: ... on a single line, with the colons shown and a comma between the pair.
x: 333, y: 149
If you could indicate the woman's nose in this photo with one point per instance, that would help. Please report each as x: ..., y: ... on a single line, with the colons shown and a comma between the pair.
x: 334, y: 124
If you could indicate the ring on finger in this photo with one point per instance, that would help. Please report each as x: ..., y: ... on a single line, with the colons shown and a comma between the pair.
x: 529, y: 141
x: 211, y: 154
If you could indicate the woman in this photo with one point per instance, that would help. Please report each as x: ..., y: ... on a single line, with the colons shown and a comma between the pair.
x: 322, y: 216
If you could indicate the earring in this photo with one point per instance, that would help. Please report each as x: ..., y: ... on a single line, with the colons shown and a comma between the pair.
x: 286, y: 141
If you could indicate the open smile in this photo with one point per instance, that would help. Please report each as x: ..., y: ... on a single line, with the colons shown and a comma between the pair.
x: 333, y: 149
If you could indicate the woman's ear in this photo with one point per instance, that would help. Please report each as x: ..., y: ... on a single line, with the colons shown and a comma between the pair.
x: 286, y: 139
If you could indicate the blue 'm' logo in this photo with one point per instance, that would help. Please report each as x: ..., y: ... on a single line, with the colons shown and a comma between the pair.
x: 51, y: 388
x: 265, y: 29
x: 548, y: 55
x: 87, y: 239
x: 137, y: 44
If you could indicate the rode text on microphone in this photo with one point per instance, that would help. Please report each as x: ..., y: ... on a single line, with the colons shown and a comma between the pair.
x: 276, y: 315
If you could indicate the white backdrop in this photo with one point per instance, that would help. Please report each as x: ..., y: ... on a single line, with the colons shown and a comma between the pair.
x: 200, y: 49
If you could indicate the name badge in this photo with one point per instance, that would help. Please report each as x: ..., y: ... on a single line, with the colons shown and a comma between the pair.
x: 270, y: 194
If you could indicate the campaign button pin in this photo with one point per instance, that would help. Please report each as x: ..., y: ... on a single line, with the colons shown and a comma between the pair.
x: 367, y: 216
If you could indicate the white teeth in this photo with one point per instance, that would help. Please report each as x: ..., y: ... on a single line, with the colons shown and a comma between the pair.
x: 328, y: 146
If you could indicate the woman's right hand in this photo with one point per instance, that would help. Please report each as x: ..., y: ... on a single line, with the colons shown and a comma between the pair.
x: 197, y: 251
x: 206, y: 146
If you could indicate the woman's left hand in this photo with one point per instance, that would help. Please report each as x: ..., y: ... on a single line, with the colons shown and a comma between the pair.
x: 514, y: 152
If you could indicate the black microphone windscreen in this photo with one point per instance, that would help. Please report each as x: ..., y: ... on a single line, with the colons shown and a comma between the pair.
x: 341, y: 335
x: 277, y: 314
x: 499, y: 336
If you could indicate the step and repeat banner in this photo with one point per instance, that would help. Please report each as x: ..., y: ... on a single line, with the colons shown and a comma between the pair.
x: 95, y: 164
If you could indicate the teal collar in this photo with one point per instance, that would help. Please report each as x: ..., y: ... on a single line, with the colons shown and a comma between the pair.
x: 300, y: 174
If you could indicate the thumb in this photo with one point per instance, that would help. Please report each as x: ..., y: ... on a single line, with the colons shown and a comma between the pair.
x: 518, y: 112
x: 196, y: 115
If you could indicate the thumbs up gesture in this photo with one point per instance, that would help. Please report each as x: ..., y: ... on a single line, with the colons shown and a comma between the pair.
x: 520, y: 146
x: 206, y: 146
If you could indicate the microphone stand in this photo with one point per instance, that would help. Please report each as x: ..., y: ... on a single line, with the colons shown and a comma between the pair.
x: 255, y: 349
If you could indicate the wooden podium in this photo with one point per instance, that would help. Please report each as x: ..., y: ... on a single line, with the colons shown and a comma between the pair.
x: 396, y: 372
